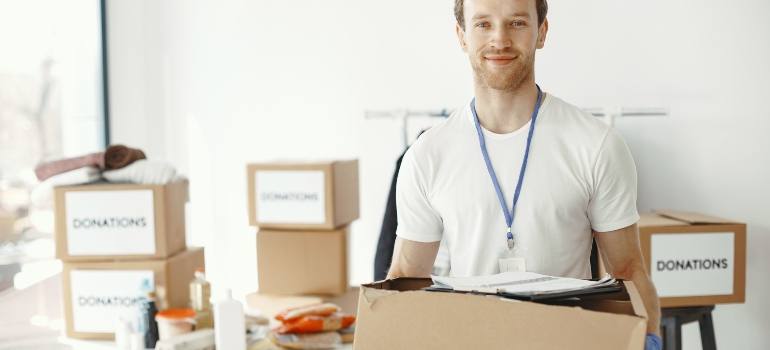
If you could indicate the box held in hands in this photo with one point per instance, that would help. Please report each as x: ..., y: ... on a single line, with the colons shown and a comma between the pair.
x: 395, y: 314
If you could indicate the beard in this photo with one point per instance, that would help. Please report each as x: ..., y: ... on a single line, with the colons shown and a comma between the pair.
x: 507, y: 78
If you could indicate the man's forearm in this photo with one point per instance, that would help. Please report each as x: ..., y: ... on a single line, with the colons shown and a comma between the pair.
x: 650, y: 299
x: 412, y: 259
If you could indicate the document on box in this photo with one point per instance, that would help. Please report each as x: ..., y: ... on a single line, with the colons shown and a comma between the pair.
x: 518, y: 282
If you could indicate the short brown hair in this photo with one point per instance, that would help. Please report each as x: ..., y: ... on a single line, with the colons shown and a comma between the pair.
x: 542, y: 10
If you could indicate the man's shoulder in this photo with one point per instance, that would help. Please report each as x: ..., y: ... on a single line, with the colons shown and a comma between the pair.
x: 445, y: 134
x: 572, y: 119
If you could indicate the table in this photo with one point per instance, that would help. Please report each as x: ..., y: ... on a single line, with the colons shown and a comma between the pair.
x: 33, y: 318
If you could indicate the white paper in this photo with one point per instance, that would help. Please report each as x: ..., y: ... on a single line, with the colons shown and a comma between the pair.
x: 692, y: 264
x: 290, y: 196
x: 100, y: 296
x: 110, y: 222
x: 517, y: 282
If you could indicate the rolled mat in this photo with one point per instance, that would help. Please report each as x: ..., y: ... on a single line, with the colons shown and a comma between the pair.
x: 46, y: 170
x: 118, y: 156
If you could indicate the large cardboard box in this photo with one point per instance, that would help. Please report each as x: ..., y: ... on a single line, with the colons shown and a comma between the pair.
x: 302, y: 262
x: 308, y: 196
x: 395, y: 314
x: 694, y: 259
x: 104, y: 222
x: 96, y: 293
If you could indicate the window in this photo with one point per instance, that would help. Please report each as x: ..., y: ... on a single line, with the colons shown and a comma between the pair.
x: 52, y: 105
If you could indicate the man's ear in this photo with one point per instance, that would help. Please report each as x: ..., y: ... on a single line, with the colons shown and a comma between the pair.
x: 461, y: 36
x: 541, y: 33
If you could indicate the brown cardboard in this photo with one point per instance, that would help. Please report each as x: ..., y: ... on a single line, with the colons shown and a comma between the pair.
x: 675, y: 222
x: 169, y: 210
x: 699, y: 223
x: 172, y: 278
x: 341, y: 193
x: 302, y: 262
x: 394, y: 314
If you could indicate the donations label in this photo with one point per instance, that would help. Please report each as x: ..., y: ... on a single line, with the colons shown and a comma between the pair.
x: 290, y: 196
x: 101, y: 296
x: 110, y: 222
x: 692, y: 264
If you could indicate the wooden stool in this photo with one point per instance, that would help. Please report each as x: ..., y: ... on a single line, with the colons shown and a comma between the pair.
x: 671, y: 322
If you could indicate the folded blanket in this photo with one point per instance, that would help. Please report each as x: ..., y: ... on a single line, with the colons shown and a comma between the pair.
x: 49, y: 169
x: 119, y: 156
x: 42, y: 194
x: 115, y: 157
x: 143, y: 172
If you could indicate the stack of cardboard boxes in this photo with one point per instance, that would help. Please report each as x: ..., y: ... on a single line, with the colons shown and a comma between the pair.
x: 117, y: 242
x: 303, y: 211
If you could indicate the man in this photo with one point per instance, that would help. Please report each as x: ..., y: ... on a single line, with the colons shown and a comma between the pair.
x: 571, y: 176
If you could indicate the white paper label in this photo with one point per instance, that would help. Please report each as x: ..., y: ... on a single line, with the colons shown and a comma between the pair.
x: 100, y: 296
x: 290, y: 196
x: 513, y: 264
x: 692, y: 264
x: 110, y: 222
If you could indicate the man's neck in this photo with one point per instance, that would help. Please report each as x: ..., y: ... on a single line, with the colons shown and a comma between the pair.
x: 503, y: 112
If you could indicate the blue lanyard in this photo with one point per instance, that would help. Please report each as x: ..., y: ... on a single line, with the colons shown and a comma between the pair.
x: 508, y: 216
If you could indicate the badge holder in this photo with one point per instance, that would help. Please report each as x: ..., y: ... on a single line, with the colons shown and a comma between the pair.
x: 513, y: 257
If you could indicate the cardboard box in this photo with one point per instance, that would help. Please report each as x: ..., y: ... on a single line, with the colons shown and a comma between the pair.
x: 302, y: 262
x: 694, y: 259
x: 394, y: 314
x: 303, y: 196
x: 104, y: 222
x: 96, y: 293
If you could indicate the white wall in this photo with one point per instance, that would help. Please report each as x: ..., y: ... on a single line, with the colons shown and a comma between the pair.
x: 212, y: 86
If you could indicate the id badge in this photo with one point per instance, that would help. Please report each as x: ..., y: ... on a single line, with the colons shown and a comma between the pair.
x: 513, y: 259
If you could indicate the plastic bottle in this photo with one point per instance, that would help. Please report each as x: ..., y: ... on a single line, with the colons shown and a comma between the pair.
x: 200, y: 293
x: 230, y: 330
x: 151, y: 332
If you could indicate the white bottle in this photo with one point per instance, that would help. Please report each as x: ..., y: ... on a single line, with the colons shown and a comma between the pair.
x: 229, y: 325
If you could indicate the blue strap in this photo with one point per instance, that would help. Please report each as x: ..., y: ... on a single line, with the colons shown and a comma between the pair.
x: 508, y: 216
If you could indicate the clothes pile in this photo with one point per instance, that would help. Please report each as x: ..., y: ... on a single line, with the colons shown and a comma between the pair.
x: 117, y: 164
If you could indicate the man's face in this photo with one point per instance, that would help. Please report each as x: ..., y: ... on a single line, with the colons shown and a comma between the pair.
x: 501, y: 37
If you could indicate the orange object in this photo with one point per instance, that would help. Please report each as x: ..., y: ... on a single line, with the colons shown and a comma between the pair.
x: 176, y: 314
x: 312, y: 310
x: 308, y: 324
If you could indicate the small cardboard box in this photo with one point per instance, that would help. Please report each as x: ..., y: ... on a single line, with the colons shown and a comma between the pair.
x: 303, y: 196
x: 395, y: 314
x: 104, y: 222
x: 96, y: 293
x: 302, y: 262
x: 694, y: 259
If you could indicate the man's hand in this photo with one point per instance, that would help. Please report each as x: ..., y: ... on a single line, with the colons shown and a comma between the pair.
x: 622, y: 256
x: 653, y: 342
x: 412, y: 259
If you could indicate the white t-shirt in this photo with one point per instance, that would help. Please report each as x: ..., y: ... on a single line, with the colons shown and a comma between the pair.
x: 580, y: 175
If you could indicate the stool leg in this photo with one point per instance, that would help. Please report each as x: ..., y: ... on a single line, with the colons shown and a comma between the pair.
x: 670, y: 330
x: 707, y: 338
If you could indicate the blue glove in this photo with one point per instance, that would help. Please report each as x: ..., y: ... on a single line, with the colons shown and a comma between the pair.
x: 653, y: 342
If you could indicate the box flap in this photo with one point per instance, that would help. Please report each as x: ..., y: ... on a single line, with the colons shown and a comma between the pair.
x: 692, y: 218
x: 647, y: 220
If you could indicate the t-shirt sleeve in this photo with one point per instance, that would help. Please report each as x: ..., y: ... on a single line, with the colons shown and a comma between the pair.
x: 417, y: 220
x: 613, y: 203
